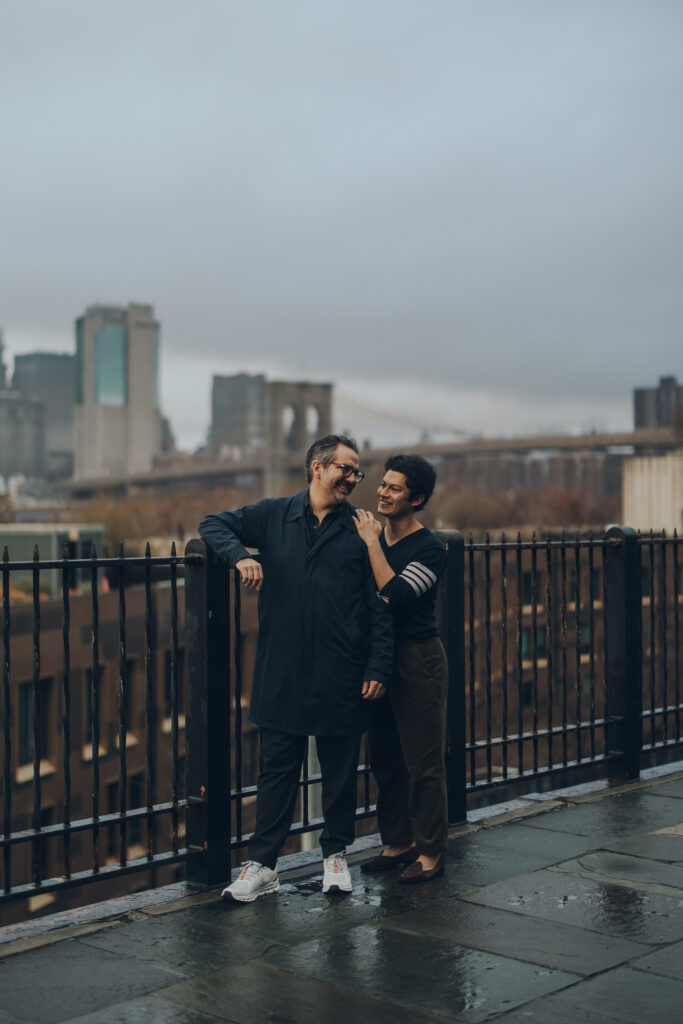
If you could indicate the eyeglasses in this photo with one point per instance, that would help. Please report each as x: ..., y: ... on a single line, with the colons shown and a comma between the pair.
x: 357, y: 474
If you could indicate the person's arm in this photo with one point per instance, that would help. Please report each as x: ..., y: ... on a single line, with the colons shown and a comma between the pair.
x: 229, y: 534
x: 416, y: 578
x: 370, y: 530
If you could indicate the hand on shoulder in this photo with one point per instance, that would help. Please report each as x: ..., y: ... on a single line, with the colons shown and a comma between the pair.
x: 366, y: 524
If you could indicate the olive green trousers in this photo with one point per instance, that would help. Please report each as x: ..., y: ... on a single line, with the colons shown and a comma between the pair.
x: 407, y: 745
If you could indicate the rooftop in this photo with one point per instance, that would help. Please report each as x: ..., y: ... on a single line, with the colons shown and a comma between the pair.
x: 557, y: 907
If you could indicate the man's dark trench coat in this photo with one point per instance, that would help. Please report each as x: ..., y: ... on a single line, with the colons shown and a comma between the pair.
x: 322, y: 629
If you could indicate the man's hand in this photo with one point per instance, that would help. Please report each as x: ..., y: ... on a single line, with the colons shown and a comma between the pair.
x: 251, y: 573
x: 367, y: 526
x: 372, y: 690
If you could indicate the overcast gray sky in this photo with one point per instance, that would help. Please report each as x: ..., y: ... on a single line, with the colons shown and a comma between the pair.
x: 462, y: 210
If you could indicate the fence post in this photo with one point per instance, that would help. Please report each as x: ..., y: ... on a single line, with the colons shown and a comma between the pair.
x: 623, y: 652
x: 207, y: 724
x: 451, y: 618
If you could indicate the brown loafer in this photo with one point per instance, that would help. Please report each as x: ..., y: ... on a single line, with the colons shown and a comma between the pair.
x: 384, y: 862
x: 416, y: 873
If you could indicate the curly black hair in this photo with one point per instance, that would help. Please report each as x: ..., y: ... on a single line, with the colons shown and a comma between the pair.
x: 420, y: 475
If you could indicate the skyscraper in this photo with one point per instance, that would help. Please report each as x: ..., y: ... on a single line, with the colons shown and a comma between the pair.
x: 656, y: 407
x: 49, y: 377
x: 118, y: 423
x: 22, y: 431
x: 238, y: 412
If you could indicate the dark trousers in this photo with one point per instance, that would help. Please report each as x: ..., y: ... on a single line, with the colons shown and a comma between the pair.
x: 281, y: 759
x: 407, y: 743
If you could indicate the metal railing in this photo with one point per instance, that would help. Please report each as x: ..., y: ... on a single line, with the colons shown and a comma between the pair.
x: 39, y: 718
x: 546, y: 653
x: 564, y: 662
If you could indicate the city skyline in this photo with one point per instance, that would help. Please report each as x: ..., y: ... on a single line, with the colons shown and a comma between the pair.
x: 382, y: 412
x: 468, y: 213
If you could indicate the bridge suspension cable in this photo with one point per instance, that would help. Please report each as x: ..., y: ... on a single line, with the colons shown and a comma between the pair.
x: 387, y: 416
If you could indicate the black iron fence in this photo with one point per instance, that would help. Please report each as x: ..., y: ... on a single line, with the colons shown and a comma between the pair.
x: 92, y: 776
x: 565, y: 666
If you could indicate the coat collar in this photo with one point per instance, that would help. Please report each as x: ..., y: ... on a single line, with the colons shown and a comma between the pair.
x: 343, y: 518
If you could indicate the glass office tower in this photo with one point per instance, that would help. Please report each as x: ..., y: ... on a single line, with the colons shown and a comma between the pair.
x: 117, y: 418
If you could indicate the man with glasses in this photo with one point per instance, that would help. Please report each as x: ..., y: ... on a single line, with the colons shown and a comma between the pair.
x: 325, y: 649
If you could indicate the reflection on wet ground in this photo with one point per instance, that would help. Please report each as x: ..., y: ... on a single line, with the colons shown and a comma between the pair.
x: 550, y: 915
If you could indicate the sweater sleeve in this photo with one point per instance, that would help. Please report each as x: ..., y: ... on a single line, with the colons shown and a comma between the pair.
x: 416, y: 578
x: 229, y: 534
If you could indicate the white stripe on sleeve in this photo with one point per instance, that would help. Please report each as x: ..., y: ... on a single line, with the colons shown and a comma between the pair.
x: 419, y: 577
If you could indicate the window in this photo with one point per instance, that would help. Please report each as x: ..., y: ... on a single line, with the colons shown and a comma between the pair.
x: 79, y: 362
x: 180, y: 674
x: 111, y: 368
x: 88, y: 705
x: 26, y: 721
x: 527, y: 644
x: 596, y: 579
x: 137, y: 799
x: 128, y: 694
x: 572, y: 587
x: 46, y: 818
x: 157, y: 349
x: 112, y: 808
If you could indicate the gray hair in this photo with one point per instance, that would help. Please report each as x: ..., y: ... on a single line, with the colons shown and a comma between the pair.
x: 323, y: 451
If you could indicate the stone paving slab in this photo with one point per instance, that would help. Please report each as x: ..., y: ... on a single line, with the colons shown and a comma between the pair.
x: 545, y: 943
x: 613, y: 817
x: 550, y: 915
x: 8, y: 1018
x: 624, y: 995
x: 569, y: 899
x: 549, y: 845
x: 257, y: 993
x: 654, y: 847
x: 491, y: 855
x: 672, y: 830
x: 668, y: 962
x: 420, y: 972
x: 81, y: 918
x: 300, y: 910
x: 61, y: 981
x: 673, y: 788
x: 147, y: 1010
x: 190, y: 943
x: 558, y: 1013
x: 609, y: 866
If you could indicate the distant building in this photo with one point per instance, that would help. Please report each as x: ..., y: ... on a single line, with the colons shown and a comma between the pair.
x: 52, y: 540
x: 238, y: 412
x: 118, y: 422
x: 655, y: 407
x: 652, y: 495
x: 280, y: 417
x: 51, y: 378
x: 22, y: 431
x: 3, y: 369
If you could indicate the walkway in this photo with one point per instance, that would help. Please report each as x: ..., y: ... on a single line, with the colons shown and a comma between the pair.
x: 563, y: 908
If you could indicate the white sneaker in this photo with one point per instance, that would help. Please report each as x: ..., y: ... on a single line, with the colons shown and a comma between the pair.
x: 336, y: 874
x: 254, y: 880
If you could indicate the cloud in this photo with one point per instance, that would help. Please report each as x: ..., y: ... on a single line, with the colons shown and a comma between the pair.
x: 482, y: 197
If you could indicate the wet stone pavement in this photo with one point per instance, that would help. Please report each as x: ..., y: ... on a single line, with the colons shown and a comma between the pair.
x: 557, y: 909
